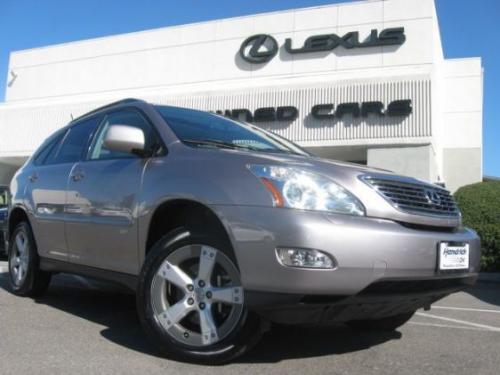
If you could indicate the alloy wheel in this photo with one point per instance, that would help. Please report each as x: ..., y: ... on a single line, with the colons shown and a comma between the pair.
x: 19, y: 258
x: 196, y: 295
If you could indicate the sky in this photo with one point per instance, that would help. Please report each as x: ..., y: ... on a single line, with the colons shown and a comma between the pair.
x: 468, y: 28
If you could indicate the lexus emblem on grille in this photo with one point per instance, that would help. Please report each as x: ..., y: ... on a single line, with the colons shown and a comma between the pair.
x: 433, y: 197
x: 259, y: 49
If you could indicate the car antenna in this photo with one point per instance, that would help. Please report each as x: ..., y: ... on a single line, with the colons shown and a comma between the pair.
x: 71, y: 114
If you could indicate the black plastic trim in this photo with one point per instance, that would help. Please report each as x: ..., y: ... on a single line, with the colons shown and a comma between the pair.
x: 105, y: 107
x: 380, y: 299
x: 407, y: 287
x: 428, y: 228
x: 125, y: 279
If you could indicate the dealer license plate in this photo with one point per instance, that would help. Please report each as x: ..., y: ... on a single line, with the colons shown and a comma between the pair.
x: 453, y: 256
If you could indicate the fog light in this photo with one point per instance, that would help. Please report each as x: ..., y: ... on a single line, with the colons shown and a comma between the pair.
x: 304, y: 258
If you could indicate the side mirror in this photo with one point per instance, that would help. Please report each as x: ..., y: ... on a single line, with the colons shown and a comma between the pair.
x: 124, y: 138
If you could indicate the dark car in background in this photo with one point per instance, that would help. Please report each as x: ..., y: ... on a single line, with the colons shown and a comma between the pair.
x: 4, y: 205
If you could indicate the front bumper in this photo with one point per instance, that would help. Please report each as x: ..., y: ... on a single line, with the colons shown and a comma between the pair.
x: 381, y: 299
x: 366, y: 250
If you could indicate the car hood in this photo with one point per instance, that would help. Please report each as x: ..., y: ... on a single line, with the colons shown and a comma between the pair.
x: 329, y: 167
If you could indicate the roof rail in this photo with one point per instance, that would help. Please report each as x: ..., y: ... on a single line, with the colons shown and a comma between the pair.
x: 122, y: 101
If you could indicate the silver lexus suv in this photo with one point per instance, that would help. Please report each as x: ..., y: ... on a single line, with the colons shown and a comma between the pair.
x: 221, y: 228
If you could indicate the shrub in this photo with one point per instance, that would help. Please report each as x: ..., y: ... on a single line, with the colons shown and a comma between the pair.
x: 480, y: 206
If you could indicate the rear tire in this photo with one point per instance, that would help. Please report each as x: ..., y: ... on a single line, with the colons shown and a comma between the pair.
x: 390, y: 323
x: 185, y: 313
x: 25, y: 277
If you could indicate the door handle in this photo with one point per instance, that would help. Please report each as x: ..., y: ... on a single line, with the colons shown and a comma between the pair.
x: 77, y: 176
x: 33, y: 177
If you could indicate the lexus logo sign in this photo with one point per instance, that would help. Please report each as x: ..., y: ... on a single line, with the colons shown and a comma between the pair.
x: 259, y: 49
x: 262, y: 48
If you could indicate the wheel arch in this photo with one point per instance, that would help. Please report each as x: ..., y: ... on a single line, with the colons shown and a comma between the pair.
x: 17, y: 215
x: 193, y: 215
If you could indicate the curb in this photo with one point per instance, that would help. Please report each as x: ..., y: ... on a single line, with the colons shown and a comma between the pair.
x: 489, y: 277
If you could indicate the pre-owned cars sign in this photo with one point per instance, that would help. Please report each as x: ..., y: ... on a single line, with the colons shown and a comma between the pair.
x: 262, y: 48
x: 396, y: 108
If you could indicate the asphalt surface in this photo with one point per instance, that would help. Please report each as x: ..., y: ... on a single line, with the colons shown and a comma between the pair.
x: 84, y: 327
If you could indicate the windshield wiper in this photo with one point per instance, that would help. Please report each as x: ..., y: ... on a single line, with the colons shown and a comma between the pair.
x: 222, y: 144
x: 235, y: 146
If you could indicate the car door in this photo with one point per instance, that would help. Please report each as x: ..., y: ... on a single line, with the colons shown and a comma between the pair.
x: 103, y: 194
x: 47, y: 184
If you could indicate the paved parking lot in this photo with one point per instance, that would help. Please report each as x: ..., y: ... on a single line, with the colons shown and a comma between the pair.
x: 83, y: 327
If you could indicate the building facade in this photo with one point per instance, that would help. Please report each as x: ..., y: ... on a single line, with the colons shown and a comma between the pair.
x: 363, y: 81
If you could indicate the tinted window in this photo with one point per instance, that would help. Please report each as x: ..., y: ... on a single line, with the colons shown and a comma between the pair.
x: 3, y: 197
x: 47, y: 147
x: 75, y: 143
x: 130, y: 118
x: 206, y: 129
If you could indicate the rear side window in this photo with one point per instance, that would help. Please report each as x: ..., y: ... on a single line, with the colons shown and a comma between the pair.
x: 4, y: 198
x: 51, y: 144
x: 75, y: 143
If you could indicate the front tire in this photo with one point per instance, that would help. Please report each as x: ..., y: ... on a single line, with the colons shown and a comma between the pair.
x: 191, y: 303
x: 26, y: 278
x: 390, y: 323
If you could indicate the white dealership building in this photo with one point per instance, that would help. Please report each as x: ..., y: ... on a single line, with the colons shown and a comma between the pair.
x: 360, y: 81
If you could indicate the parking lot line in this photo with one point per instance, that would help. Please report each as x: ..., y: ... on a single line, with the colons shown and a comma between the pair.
x: 447, y: 326
x: 472, y: 324
x: 466, y: 309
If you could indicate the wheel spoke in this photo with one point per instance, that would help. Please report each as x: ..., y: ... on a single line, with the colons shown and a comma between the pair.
x: 20, y: 244
x: 175, y: 313
x: 229, y: 295
x: 20, y: 273
x: 175, y: 275
x: 15, y: 261
x: 209, y: 332
x: 207, y: 262
x: 23, y: 262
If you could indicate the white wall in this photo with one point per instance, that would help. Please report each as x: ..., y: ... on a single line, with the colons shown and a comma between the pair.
x: 208, y: 52
x: 462, y: 129
x: 416, y: 161
x: 305, y: 129
x: 463, y: 103
x: 199, y: 66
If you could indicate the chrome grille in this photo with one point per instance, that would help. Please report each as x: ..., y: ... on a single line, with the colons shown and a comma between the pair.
x: 415, y: 198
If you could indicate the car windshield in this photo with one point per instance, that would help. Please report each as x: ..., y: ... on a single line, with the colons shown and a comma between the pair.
x: 204, y: 129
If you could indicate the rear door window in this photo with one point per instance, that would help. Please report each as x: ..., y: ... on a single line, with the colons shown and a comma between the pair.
x: 75, y: 143
x: 48, y: 147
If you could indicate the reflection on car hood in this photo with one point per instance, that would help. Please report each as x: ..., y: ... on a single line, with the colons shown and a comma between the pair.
x: 309, y: 162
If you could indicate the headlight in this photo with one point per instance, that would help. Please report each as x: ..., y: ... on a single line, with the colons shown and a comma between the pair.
x: 296, y: 188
